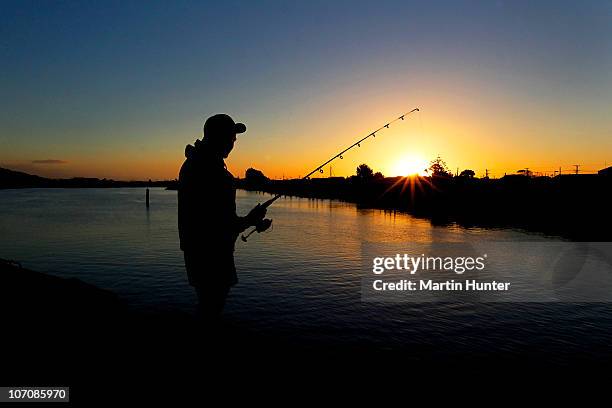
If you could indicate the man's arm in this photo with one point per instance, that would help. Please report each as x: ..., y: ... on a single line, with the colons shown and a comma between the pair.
x: 241, y: 224
x: 252, y: 218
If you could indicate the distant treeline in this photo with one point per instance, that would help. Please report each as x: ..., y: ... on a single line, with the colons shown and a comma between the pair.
x: 17, y: 179
x: 574, y: 206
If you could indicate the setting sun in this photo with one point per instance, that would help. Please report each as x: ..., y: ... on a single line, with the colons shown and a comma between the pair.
x: 409, y: 166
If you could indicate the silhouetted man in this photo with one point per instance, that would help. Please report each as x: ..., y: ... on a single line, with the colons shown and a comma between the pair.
x: 207, y: 220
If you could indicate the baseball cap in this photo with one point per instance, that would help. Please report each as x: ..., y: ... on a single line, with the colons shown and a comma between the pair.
x: 222, y: 123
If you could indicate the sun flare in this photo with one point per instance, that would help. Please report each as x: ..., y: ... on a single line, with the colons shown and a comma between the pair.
x: 411, y: 166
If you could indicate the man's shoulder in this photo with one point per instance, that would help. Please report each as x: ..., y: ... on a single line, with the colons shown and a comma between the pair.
x: 202, y: 169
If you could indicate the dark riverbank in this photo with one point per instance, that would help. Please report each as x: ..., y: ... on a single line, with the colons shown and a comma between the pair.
x: 67, y: 333
x: 17, y: 179
x: 573, y: 206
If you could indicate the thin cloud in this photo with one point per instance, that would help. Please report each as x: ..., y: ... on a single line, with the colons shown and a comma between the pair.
x: 49, y: 161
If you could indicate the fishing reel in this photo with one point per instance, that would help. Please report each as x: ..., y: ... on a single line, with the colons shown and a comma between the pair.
x: 261, y: 226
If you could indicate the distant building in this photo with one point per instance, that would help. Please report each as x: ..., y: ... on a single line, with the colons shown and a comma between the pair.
x: 605, y: 172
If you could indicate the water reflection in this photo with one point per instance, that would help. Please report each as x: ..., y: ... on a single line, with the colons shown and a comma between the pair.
x: 303, y: 276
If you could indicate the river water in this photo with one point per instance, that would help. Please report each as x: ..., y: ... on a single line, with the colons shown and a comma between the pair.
x: 302, y: 279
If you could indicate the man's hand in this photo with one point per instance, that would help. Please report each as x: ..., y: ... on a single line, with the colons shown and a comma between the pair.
x: 256, y: 214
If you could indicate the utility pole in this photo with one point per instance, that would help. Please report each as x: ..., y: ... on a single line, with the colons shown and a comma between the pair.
x: 330, y: 171
x: 486, y: 173
x: 577, y: 166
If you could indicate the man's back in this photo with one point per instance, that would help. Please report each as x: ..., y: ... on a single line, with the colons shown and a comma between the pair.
x: 207, y: 210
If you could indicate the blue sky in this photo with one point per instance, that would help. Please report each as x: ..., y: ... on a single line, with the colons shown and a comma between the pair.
x: 116, y: 89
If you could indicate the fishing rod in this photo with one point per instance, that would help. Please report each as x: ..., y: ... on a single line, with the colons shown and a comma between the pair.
x: 265, y: 223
